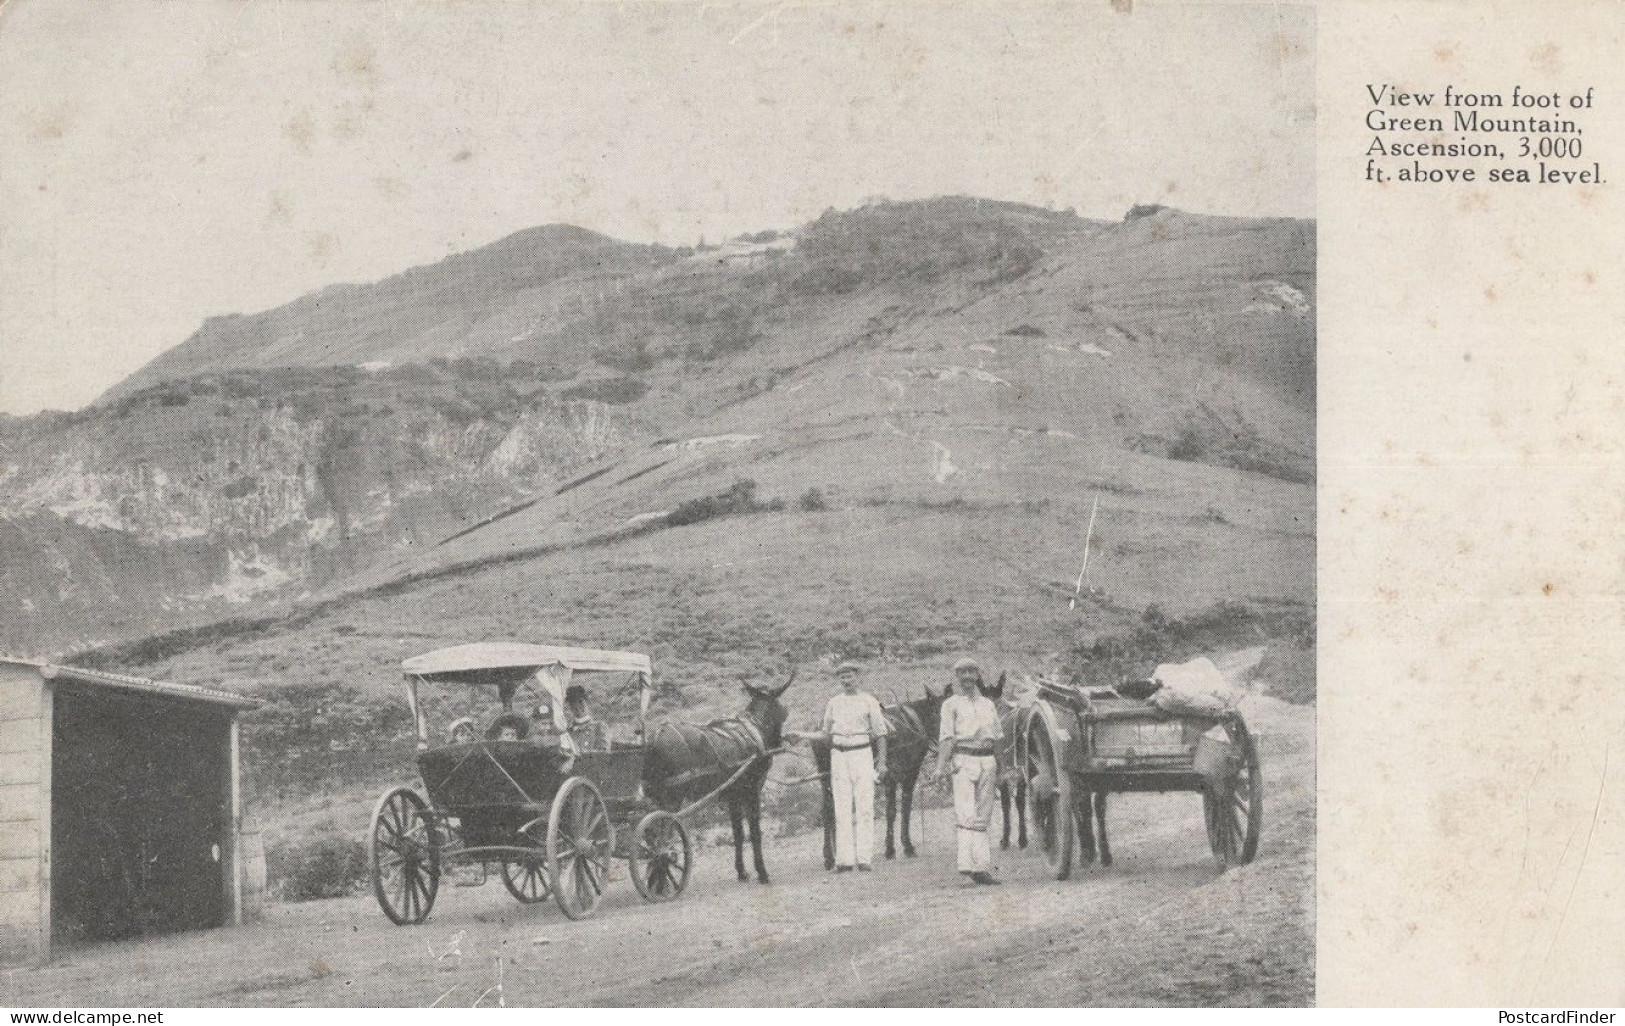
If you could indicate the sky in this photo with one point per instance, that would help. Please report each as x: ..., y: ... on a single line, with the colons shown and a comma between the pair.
x: 163, y: 162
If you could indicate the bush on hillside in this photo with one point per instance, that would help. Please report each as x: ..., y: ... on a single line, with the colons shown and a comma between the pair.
x: 812, y: 501
x: 1238, y: 448
x: 1160, y: 638
x: 1188, y: 447
x: 740, y: 498
x: 610, y: 391
x: 328, y: 864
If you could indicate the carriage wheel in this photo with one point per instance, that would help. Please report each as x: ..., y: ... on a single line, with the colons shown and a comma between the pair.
x: 528, y: 880
x: 403, y: 857
x: 579, y: 842
x: 1049, y: 800
x: 661, y: 857
x: 1234, y: 810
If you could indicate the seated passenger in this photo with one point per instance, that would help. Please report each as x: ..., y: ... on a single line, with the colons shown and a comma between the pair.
x: 542, y: 730
x: 508, y: 727
x: 587, y: 733
x: 462, y: 730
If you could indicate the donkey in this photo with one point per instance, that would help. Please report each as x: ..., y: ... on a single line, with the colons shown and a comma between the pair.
x: 913, y: 734
x: 679, y: 771
x: 1083, y: 802
x: 1008, y: 750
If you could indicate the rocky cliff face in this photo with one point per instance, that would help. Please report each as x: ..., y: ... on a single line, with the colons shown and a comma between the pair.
x: 195, y: 499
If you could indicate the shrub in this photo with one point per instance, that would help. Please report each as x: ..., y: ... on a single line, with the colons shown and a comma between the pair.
x: 740, y: 498
x: 1189, y: 447
x: 325, y: 865
x: 812, y: 501
x: 610, y: 391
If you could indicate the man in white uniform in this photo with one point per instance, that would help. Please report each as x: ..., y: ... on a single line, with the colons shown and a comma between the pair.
x: 856, y: 730
x: 970, y: 730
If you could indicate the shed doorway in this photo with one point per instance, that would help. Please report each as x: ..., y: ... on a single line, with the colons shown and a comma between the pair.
x: 140, y: 814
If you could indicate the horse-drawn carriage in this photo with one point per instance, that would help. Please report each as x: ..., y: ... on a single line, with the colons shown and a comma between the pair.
x: 548, y: 803
x: 1079, y: 744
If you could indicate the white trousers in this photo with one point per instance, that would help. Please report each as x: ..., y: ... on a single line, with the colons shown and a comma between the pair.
x: 852, y: 781
x: 976, y: 781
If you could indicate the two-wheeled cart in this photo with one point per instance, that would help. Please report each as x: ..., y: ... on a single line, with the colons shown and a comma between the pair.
x: 1078, y: 742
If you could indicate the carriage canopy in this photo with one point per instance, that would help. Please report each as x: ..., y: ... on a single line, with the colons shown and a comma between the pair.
x: 506, y: 664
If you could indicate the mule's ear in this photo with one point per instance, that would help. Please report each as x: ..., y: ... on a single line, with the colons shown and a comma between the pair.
x: 752, y: 690
x: 786, y: 685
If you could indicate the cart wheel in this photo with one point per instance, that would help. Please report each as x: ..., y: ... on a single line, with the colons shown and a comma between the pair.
x: 661, y: 857
x: 1049, y: 800
x: 1234, y: 812
x: 528, y: 880
x: 403, y: 857
x: 579, y: 842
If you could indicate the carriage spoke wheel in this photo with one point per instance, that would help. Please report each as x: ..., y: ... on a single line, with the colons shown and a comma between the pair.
x: 579, y: 842
x: 661, y: 857
x: 403, y: 857
x: 528, y: 880
x: 1049, y: 801
x: 1234, y: 807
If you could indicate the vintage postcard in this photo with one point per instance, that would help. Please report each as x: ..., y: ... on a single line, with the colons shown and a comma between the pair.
x: 743, y: 504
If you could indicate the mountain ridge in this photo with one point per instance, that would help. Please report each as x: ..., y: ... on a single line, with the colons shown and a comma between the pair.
x: 975, y: 360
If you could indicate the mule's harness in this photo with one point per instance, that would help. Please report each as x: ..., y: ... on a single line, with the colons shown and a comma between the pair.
x: 731, y: 726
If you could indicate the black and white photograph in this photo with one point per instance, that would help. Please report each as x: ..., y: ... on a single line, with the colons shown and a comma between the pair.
x: 566, y: 503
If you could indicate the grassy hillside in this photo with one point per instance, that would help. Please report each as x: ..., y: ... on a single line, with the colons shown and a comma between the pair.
x: 897, y: 351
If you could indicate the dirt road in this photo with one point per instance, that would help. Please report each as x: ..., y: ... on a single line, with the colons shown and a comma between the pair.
x: 1162, y: 926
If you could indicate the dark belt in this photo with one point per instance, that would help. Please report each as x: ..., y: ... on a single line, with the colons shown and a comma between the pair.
x: 961, y: 750
x: 849, y: 748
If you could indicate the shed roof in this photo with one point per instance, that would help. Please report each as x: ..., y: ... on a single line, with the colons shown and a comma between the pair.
x: 123, y: 682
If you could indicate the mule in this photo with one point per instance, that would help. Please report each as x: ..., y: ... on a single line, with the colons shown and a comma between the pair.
x: 689, y: 776
x: 1083, y: 803
x: 913, y: 736
x: 1012, y: 775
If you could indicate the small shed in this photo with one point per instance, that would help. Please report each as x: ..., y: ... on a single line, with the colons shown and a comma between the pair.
x: 120, y: 807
